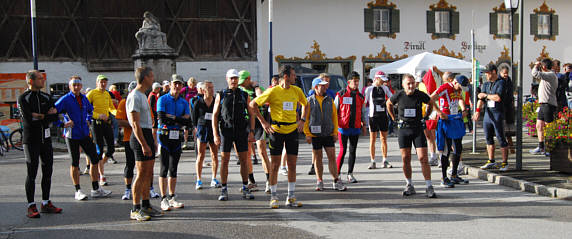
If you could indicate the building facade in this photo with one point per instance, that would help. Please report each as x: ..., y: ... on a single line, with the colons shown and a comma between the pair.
x: 89, y: 37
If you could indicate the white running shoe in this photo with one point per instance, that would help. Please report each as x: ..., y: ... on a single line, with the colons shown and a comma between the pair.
x: 291, y: 202
x: 433, y: 161
x: 283, y: 171
x: 339, y: 186
x: 80, y: 196
x: 351, y: 178
x: 153, y: 194
x: 504, y: 167
x: 490, y: 165
x: 175, y: 204
x: 165, y: 204
x: 320, y: 186
x: 99, y: 193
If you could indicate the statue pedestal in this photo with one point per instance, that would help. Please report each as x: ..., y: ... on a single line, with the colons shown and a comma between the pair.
x: 162, y: 61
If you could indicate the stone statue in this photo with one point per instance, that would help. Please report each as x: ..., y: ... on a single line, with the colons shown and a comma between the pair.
x: 149, y: 35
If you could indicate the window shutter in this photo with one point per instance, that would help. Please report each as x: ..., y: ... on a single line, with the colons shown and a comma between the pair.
x: 367, y: 20
x: 554, y: 25
x: 430, y: 22
x: 516, y: 28
x: 454, y: 22
x: 493, y: 23
x: 533, y: 24
x: 394, y: 22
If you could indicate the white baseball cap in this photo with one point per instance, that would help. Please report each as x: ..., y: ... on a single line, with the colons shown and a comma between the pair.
x: 381, y: 74
x: 231, y: 73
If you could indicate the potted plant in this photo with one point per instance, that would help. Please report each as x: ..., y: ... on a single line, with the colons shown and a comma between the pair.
x: 558, y: 141
x: 529, y: 114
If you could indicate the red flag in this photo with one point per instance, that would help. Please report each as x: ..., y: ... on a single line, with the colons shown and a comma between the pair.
x: 429, y: 82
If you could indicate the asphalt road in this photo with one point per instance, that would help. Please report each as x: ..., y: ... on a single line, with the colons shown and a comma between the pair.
x: 372, y: 208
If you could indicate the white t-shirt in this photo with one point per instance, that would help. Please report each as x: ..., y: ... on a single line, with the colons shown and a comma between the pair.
x: 369, y: 98
x: 137, y: 102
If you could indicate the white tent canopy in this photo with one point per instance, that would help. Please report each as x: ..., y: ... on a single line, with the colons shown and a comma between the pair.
x: 424, y: 62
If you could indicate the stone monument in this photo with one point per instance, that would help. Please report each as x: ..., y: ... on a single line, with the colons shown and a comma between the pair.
x: 153, y: 50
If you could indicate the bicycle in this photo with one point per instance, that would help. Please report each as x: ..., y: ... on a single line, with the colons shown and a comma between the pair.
x: 16, y: 138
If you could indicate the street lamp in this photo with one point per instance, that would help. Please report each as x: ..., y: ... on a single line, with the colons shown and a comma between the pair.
x: 512, y: 5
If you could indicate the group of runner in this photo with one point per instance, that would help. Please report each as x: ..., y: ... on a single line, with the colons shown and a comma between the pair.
x: 238, y: 117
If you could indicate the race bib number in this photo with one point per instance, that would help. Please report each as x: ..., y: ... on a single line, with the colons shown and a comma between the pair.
x: 174, y: 134
x: 454, y: 107
x: 490, y: 104
x: 409, y: 113
x: 47, y: 133
x: 347, y: 101
x: 208, y: 116
x: 379, y: 108
x: 288, y: 105
x: 316, y: 129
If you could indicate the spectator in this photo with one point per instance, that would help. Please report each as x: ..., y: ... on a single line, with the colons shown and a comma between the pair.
x: 546, y: 98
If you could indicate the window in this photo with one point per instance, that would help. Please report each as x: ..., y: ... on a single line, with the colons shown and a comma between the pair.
x: 503, y: 23
x: 381, y: 20
x: 543, y: 24
x: 442, y: 23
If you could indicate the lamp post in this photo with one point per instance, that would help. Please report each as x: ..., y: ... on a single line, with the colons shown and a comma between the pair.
x: 34, y: 34
x: 512, y: 5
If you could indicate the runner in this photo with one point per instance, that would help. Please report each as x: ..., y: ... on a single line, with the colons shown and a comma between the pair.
x: 450, y: 128
x: 129, y: 154
x: 490, y: 95
x: 152, y: 98
x: 231, y: 107
x: 38, y: 112
x: 189, y: 92
x: 376, y: 96
x: 78, y: 112
x: 283, y: 100
x: 102, y: 129
x: 174, y: 114
x: 349, y: 103
x: 202, y: 119
x: 253, y: 90
x: 321, y: 129
x: 142, y: 143
x: 326, y: 77
x: 410, y: 126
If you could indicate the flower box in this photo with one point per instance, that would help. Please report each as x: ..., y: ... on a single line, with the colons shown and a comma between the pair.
x: 561, y: 158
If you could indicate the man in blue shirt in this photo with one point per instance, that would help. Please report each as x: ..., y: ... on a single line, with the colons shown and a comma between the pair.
x: 77, y: 114
x: 174, y: 114
x: 490, y: 97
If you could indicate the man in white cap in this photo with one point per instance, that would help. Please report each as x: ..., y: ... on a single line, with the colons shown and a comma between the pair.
x: 376, y: 95
x: 230, y: 127
x: 166, y: 87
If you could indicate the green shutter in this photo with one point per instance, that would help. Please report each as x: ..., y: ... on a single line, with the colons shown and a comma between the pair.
x: 554, y: 25
x: 430, y: 22
x: 367, y: 20
x: 493, y: 23
x: 394, y: 22
x: 533, y: 24
x: 516, y: 26
x: 454, y: 22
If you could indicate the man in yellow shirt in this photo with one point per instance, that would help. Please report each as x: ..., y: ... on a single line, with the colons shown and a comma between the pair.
x: 103, y: 108
x: 283, y: 100
x: 321, y: 130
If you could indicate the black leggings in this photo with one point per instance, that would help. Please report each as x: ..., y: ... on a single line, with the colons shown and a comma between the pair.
x: 170, y: 155
x: 33, y: 154
x: 455, y: 147
x: 343, y: 148
x: 104, y: 132
x: 129, y: 161
x: 88, y: 147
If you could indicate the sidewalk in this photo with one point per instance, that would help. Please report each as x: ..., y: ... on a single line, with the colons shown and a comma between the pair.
x: 536, y: 176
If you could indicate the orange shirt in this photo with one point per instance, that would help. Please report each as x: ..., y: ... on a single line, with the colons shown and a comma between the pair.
x: 122, y: 115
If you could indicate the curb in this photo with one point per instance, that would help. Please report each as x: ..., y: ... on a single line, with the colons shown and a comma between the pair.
x: 553, y: 192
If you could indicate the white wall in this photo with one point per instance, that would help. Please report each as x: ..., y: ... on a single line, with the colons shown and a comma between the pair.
x: 337, y: 25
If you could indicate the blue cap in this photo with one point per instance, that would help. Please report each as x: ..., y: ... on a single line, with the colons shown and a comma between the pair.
x: 318, y: 81
x: 462, y: 80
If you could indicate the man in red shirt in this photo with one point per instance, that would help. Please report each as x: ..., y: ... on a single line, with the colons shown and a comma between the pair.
x: 450, y: 128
